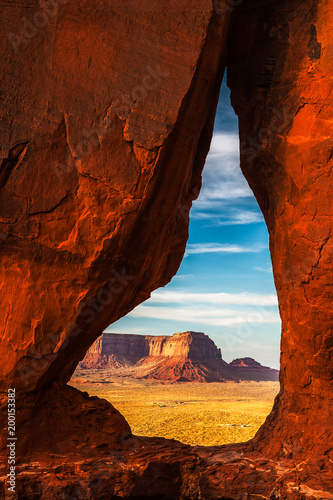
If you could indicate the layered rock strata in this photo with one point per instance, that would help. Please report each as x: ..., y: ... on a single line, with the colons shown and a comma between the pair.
x: 194, y: 345
x: 182, y: 357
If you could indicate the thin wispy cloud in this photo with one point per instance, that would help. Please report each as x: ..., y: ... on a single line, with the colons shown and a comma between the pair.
x: 222, y: 180
x: 222, y: 176
x: 201, y: 308
x: 210, y: 316
x: 231, y: 217
x: 183, y: 276
x: 220, y: 248
x: 245, y: 298
x: 267, y: 269
x: 129, y: 330
x: 240, y: 217
x: 224, y: 186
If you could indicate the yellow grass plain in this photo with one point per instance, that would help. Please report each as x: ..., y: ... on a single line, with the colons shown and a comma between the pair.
x: 193, y: 413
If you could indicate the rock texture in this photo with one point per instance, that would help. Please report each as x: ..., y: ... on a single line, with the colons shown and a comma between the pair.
x: 284, y: 104
x: 194, y: 345
x: 153, y: 468
x: 88, y: 154
x: 182, y: 357
x: 103, y: 138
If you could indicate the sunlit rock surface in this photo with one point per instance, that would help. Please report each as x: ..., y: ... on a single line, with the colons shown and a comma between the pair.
x: 107, y: 111
x: 181, y: 357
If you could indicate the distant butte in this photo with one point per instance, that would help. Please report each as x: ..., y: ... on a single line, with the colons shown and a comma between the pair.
x: 182, y: 357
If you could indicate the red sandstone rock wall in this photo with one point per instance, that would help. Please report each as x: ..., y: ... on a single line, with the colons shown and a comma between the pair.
x: 194, y: 345
x: 283, y: 98
x: 103, y: 137
x: 133, y: 347
x: 95, y: 126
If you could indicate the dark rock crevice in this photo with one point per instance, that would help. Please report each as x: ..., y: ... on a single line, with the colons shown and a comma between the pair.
x: 7, y: 166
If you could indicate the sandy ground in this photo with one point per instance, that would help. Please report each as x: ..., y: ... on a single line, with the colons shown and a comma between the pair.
x: 196, y: 414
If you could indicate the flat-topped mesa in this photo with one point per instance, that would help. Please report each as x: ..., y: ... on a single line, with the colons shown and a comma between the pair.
x: 181, y: 357
x: 187, y: 345
x: 193, y: 345
x: 132, y: 347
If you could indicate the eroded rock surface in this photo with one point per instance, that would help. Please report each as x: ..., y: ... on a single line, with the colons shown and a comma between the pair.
x: 106, y: 117
x: 250, y: 369
x: 92, y: 190
x: 284, y: 101
x: 181, y: 357
x: 195, y: 345
x: 103, y: 137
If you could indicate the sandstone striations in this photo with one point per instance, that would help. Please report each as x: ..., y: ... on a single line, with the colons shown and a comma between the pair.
x: 284, y: 103
x: 195, y: 345
x: 182, y: 357
x: 107, y: 112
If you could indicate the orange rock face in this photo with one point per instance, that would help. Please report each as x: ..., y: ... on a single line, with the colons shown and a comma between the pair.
x: 284, y: 103
x: 107, y: 111
x: 195, y: 345
x: 182, y: 357
x: 94, y: 207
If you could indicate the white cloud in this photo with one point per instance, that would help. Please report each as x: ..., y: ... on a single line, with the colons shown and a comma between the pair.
x: 267, y: 269
x: 245, y: 298
x: 218, y: 184
x: 224, y: 184
x: 244, y: 217
x: 138, y: 330
x: 199, y: 248
x: 227, y: 217
x: 182, y: 276
x: 210, y: 316
x: 202, y: 308
x: 224, y: 145
x: 222, y: 176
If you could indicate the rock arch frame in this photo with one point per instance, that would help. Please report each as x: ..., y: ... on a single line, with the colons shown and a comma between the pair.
x: 99, y: 169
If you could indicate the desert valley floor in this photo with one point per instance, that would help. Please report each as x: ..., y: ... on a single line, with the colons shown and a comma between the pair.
x: 193, y: 413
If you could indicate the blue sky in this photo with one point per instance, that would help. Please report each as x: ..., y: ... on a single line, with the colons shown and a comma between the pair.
x: 224, y: 286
